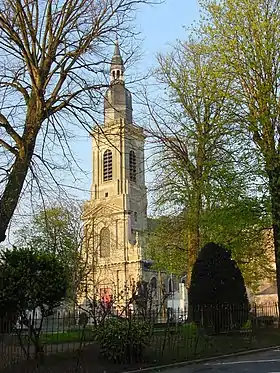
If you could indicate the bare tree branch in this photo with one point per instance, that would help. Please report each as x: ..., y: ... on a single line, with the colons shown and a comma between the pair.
x: 52, y: 65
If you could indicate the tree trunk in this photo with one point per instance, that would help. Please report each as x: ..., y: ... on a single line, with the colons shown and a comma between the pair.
x: 274, y: 186
x: 193, y: 233
x: 193, y: 246
x: 12, y: 192
x: 34, y: 118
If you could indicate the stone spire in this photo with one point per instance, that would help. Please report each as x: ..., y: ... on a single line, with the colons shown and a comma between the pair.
x: 117, y: 66
x: 117, y: 100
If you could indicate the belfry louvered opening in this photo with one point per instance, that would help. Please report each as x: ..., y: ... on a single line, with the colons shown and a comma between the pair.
x: 107, y: 166
x: 132, y: 166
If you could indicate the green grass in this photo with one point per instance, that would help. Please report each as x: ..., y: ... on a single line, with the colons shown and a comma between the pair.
x: 182, y: 342
x: 164, y: 347
x: 68, y: 336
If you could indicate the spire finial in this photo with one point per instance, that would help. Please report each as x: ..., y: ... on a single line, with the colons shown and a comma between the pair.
x: 117, y: 67
x: 117, y: 52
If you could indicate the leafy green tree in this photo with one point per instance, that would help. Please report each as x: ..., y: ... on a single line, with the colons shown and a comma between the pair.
x: 166, y: 244
x: 193, y: 125
x: 31, y: 281
x: 57, y: 230
x: 217, y: 293
x: 241, y: 225
x: 246, y: 36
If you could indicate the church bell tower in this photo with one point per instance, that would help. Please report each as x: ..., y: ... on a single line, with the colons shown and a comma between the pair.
x: 115, y: 216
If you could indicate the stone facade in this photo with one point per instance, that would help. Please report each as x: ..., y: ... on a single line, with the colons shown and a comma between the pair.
x: 115, y: 218
x: 267, y: 293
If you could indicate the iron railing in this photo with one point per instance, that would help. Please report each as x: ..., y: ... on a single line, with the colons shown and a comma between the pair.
x: 168, y: 336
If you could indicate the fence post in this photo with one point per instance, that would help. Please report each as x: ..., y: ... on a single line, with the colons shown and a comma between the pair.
x: 255, y: 317
x: 277, y: 313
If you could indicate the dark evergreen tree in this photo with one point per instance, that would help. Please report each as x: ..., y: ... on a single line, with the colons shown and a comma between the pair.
x: 217, y: 293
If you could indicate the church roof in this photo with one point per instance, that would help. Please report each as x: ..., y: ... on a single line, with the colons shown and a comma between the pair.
x: 272, y: 289
x: 117, y: 58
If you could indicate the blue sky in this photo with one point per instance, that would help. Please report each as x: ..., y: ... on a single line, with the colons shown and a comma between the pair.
x: 160, y: 26
x: 163, y: 24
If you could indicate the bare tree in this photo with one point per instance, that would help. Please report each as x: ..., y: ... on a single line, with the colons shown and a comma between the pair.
x: 51, y: 74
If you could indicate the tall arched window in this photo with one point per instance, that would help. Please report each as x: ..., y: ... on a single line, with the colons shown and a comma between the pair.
x: 104, y: 242
x: 170, y: 286
x: 132, y: 166
x: 107, y: 166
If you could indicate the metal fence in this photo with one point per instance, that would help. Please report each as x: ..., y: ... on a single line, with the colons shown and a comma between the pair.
x: 167, y: 337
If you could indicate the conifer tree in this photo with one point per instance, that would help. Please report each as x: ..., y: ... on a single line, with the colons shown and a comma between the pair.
x: 217, y: 293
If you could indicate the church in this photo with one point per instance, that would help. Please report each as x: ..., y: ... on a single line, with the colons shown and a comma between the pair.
x: 115, y: 217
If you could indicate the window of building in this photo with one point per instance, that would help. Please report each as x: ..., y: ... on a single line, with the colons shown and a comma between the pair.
x: 170, y: 286
x: 132, y: 166
x: 153, y: 285
x: 107, y: 166
x: 86, y: 237
x: 135, y: 217
x: 104, y: 242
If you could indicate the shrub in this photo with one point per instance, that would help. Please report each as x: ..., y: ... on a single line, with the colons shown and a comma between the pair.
x: 217, y: 293
x: 193, y: 337
x: 31, y: 281
x: 189, y: 330
x: 247, y: 325
x: 122, y: 340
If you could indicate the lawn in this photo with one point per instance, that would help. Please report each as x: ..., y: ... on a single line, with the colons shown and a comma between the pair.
x: 164, y: 349
x: 75, y: 335
x: 165, y: 346
x: 174, y: 347
x: 68, y: 336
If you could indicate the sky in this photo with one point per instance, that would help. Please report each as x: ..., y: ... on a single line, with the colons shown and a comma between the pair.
x: 162, y: 24
x: 159, y: 26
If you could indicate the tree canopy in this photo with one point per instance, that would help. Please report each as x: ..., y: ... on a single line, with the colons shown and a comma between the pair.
x: 246, y: 36
x: 208, y: 183
x: 57, y: 230
x: 31, y: 279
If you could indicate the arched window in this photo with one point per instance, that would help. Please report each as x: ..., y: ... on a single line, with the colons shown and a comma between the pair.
x: 132, y: 166
x: 118, y: 74
x: 153, y: 285
x: 104, y: 242
x: 170, y: 286
x: 107, y: 166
